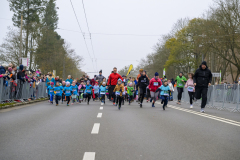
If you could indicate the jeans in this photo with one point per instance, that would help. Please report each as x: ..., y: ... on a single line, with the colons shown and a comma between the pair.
x: 57, y: 98
x: 68, y: 99
x: 51, y: 97
x: 165, y: 100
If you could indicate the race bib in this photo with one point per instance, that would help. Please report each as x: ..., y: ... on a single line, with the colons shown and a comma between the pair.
x: 89, y: 90
x: 143, y: 80
x: 155, y: 83
x: 165, y: 93
x: 67, y: 91
x: 102, y: 93
x: 81, y: 90
x: 51, y: 90
x: 74, y: 89
x: 190, y: 89
x: 57, y: 91
x: 117, y: 92
x: 180, y: 84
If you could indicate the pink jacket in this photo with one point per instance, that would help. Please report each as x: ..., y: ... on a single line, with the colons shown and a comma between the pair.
x: 189, y: 83
x: 80, y: 86
x: 155, y: 84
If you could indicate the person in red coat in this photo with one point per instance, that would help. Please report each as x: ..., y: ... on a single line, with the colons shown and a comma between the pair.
x: 154, y: 84
x: 112, y: 82
x: 93, y: 81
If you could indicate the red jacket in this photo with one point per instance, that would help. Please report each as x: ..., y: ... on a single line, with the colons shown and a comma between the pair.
x: 154, y: 84
x: 113, y: 78
x: 92, y: 82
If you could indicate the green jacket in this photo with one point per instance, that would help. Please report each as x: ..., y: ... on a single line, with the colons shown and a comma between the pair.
x: 180, y: 83
x: 130, y: 90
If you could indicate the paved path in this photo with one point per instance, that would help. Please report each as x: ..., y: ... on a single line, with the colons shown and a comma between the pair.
x: 47, y: 132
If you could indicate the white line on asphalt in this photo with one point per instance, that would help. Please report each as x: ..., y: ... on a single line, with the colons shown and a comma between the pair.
x: 89, y: 156
x: 95, y: 129
x: 101, y: 108
x: 232, y: 122
x: 99, y: 115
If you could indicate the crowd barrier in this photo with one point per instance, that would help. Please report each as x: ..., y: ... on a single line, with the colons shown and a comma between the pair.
x: 222, y: 97
x: 18, y: 90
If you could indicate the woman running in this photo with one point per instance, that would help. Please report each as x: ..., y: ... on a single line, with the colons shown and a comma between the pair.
x: 180, y: 84
x: 191, y: 88
x: 154, y: 84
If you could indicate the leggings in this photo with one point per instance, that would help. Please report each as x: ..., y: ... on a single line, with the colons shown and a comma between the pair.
x: 180, y: 91
x: 119, y: 99
x: 191, y: 96
x: 142, y: 93
x: 63, y: 97
x: 51, y: 97
x: 130, y: 99
x: 154, y: 96
x: 68, y: 99
x: 103, y: 98
x: 57, y: 98
x: 88, y: 96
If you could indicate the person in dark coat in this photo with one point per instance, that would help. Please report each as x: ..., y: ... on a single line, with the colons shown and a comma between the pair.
x: 21, y: 73
x: 143, y: 82
x: 202, y: 79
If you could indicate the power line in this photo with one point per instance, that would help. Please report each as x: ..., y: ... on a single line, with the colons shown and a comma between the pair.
x: 81, y: 31
x: 89, y: 32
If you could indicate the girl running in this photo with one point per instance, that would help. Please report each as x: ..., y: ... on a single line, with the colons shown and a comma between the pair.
x: 191, y: 88
x: 88, y: 91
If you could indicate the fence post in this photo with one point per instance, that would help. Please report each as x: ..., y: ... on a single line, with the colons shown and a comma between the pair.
x: 236, y: 109
x: 224, y: 86
x: 212, y: 95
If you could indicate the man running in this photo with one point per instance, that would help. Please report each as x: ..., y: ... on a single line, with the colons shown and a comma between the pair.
x: 143, y: 82
x: 113, y: 79
x: 202, y: 79
x: 100, y: 77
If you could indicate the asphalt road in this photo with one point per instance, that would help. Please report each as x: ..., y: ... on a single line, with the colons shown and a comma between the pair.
x: 47, y: 132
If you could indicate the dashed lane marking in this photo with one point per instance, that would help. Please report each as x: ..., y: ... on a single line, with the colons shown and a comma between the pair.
x: 89, y: 156
x: 95, y: 129
x: 101, y: 108
x: 99, y: 115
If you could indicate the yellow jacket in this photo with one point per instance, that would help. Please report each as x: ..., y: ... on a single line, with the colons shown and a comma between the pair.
x: 118, y: 87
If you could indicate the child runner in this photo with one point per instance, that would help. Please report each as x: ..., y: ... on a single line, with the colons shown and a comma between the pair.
x: 164, y: 93
x: 63, y: 85
x: 130, y: 90
x: 172, y: 90
x: 119, y: 88
x: 191, y: 88
x: 58, y: 92
x: 103, y: 89
x: 180, y: 84
x: 88, y: 91
x: 96, y: 90
x: 81, y: 89
x: 68, y: 92
x: 74, y: 91
x: 51, y: 91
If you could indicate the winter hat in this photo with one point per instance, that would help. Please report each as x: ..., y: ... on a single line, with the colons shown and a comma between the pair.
x: 21, y: 67
x: 104, y: 83
x: 156, y: 74
x: 10, y: 69
x: 204, y: 63
x: 52, y: 83
x: 145, y: 71
x: 100, y: 71
x: 67, y: 83
x: 140, y: 70
x: 120, y: 80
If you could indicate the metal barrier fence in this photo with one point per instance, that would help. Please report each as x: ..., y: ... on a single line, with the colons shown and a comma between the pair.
x: 222, y: 97
x: 11, y: 91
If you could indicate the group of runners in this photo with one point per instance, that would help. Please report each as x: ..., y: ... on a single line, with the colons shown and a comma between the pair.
x: 119, y: 89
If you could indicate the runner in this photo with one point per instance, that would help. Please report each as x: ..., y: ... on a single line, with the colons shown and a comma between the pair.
x: 143, y: 82
x: 69, y: 79
x: 100, y: 77
x: 58, y: 92
x: 81, y: 89
x: 74, y: 91
x: 180, y: 84
x: 118, y: 90
x: 130, y: 91
x: 113, y: 80
x: 68, y: 92
x: 88, y: 91
x: 191, y: 89
x: 154, y: 84
x: 51, y: 92
x: 103, y: 90
x: 165, y: 89
x: 202, y: 79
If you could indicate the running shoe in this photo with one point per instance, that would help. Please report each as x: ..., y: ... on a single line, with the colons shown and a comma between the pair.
x: 191, y: 106
x: 164, y: 107
x: 72, y: 103
x: 114, y: 104
x: 119, y: 107
x: 153, y: 105
x: 56, y: 104
x: 67, y: 104
x: 141, y: 105
x: 62, y: 102
x: 202, y: 110
x: 101, y: 104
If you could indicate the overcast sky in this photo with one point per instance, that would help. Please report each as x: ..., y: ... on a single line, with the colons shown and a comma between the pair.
x: 140, y: 17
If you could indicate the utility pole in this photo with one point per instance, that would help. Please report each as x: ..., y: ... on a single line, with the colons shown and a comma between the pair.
x: 20, y: 53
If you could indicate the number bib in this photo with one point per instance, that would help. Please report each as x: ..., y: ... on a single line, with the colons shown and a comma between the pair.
x: 165, y: 93
x: 67, y: 91
x: 102, y: 92
x: 57, y: 91
x: 155, y: 83
x: 180, y: 84
x: 81, y: 90
x: 117, y: 93
x: 51, y: 90
x: 89, y: 90
x: 74, y: 89
x: 190, y: 89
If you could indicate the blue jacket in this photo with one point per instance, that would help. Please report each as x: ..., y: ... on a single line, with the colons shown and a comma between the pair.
x: 88, y: 89
x: 96, y: 89
x: 69, y: 80
x: 52, y: 80
x: 50, y: 90
x: 164, y: 90
x: 68, y: 91
x: 58, y: 90
x: 2, y: 70
x: 103, y: 89
x: 75, y: 89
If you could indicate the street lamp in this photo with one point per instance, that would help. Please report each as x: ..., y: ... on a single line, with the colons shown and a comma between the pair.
x: 33, y: 8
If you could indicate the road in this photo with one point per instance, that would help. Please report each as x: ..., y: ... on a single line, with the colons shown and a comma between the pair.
x: 47, y: 132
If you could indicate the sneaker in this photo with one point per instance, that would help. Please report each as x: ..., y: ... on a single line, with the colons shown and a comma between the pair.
x: 191, y: 106
x: 114, y: 104
x: 119, y: 107
x: 72, y: 103
x: 202, y: 111
x: 62, y: 102
x: 56, y: 104
x: 141, y: 105
x: 67, y: 104
x: 153, y: 105
x: 87, y: 103
x: 162, y: 102
x: 163, y: 107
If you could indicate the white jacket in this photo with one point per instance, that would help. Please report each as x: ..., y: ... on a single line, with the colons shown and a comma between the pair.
x: 171, y: 87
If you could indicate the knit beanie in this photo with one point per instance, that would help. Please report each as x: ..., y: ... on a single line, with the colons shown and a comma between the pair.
x: 67, y: 83
x: 156, y: 74
x: 10, y: 69
x: 204, y: 63
x: 120, y: 80
x: 52, y: 83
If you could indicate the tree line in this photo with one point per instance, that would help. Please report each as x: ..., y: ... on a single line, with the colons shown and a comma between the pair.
x: 213, y: 37
x: 45, y: 48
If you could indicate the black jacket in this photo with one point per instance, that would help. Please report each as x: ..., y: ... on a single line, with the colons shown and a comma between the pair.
x: 143, y: 81
x: 202, y: 77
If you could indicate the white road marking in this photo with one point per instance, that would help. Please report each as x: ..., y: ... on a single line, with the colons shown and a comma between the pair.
x: 99, y: 115
x: 89, y: 156
x: 95, y: 129
x: 229, y: 121
x: 101, y: 108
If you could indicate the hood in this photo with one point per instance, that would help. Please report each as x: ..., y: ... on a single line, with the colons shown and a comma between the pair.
x: 204, y: 63
x: 21, y: 67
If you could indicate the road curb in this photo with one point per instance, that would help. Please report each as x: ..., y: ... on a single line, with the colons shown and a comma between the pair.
x: 23, y: 103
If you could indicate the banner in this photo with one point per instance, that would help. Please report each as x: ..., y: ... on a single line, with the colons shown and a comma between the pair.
x: 164, y: 73
x: 25, y: 62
